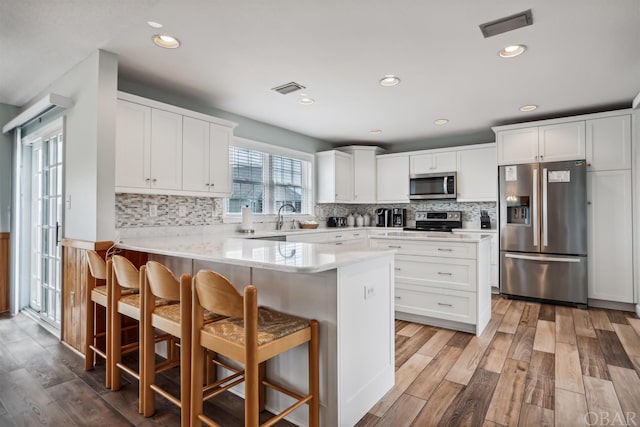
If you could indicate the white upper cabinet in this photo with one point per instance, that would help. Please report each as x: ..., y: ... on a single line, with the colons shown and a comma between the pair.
x: 162, y: 149
x: 549, y: 143
x: 335, y: 177
x: 565, y: 141
x: 148, y: 148
x: 477, y: 174
x: 205, y: 162
x: 393, y: 178
x: 433, y: 162
x: 609, y: 143
x: 364, y: 175
x: 166, y: 150
x: 133, y: 145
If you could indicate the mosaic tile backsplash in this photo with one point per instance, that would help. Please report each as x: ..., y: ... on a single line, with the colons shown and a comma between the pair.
x: 132, y: 210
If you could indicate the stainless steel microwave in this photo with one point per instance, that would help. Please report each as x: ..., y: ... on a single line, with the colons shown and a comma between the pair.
x: 432, y: 186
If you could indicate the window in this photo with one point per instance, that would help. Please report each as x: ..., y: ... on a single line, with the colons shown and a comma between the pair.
x: 265, y: 177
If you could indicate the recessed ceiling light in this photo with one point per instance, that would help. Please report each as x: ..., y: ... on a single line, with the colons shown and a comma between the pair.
x: 154, y: 24
x: 526, y: 108
x: 306, y: 101
x: 168, y: 42
x: 389, y: 80
x: 441, y: 121
x: 375, y: 131
x: 512, y: 51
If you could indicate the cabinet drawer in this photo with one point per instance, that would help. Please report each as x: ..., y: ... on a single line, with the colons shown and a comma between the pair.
x: 308, y: 237
x: 336, y: 236
x: 351, y: 242
x: 447, y: 273
x: 431, y: 248
x: 458, y: 306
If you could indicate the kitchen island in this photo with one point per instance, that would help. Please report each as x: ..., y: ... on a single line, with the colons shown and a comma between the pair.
x: 349, y: 290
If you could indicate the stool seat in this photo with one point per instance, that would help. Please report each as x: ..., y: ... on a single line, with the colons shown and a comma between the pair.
x: 171, y: 312
x: 272, y: 325
x: 99, y: 295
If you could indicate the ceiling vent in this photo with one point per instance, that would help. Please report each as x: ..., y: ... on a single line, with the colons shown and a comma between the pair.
x: 288, y: 88
x: 508, y: 23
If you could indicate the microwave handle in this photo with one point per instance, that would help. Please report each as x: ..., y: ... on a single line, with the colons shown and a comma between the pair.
x: 444, y: 185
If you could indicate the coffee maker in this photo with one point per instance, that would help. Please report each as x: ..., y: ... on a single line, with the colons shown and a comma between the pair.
x: 398, y: 217
x: 383, y: 217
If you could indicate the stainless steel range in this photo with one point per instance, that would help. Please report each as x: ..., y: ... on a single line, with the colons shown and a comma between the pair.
x: 437, y: 221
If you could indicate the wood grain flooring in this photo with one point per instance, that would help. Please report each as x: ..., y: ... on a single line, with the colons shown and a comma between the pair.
x: 535, y: 365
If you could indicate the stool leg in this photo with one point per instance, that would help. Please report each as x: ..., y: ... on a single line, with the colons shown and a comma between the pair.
x: 262, y: 373
x: 314, y: 377
x: 89, y: 334
x: 197, y: 374
x: 210, y: 370
x: 147, y: 367
x: 116, y: 350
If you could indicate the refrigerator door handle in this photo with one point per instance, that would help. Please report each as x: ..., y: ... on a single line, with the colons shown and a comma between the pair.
x: 534, y: 217
x: 541, y: 258
x: 545, y: 230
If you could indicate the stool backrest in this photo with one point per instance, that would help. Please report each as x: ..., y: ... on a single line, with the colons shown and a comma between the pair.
x: 162, y: 282
x: 216, y: 294
x: 126, y: 274
x: 97, y: 265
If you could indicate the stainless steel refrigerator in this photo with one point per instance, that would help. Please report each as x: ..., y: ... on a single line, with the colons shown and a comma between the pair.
x: 543, y: 231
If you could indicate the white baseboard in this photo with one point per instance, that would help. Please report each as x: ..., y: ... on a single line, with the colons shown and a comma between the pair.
x: 638, y: 310
x: 612, y: 305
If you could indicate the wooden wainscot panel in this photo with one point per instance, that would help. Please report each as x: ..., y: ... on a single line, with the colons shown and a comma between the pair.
x: 76, y: 288
x: 4, y: 272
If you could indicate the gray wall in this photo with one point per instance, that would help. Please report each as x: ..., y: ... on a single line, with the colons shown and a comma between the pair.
x: 478, y: 137
x: 90, y: 124
x: 7, y: 112
x: 247, y: 128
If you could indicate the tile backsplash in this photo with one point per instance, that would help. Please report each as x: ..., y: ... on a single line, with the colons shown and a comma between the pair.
x: 133, y: 210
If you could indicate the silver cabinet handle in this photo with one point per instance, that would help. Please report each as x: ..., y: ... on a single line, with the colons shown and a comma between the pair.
x: 212, y: 185
x: 338, y: 243
x: 545, y: 229
x: 534, y: 217
x: 445, y: 305
x: 445, y: 250
x: 338, y: 236
x: 394, y: 246
x: 444, y: 273
x: 398, y: 297
x: 397, y: 269
x: 154, y: 180
x: 356, y: 235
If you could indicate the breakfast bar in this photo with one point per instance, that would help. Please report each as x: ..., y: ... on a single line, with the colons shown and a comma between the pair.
x: 349, y: 290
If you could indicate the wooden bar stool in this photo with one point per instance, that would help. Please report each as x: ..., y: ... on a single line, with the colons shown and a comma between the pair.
x: 97, y: 295
x: 175, y: 319
x: 251, y: 336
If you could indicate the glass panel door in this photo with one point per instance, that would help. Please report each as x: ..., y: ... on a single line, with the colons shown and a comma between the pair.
x: 46, y: 232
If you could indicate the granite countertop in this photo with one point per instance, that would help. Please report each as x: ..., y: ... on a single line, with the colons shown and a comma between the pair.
x: 293, y: 257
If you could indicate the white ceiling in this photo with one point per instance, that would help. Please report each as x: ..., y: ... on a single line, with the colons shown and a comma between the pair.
x: 583, y: 55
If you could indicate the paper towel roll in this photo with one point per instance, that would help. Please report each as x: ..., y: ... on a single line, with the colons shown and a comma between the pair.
x: 247, y: 220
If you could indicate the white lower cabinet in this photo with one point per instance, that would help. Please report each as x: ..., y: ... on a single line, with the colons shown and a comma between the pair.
x: 609, y: 220
x: 495, y: 252
x: 441, y: 282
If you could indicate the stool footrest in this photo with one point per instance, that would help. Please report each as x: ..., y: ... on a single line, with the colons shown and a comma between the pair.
x: 218, y: 385
x: 166, y: 365
x: 171, y: 398
x: 208, y: 421
x: 128, y: 370
x: 286, y: 412
x: 99, y: 352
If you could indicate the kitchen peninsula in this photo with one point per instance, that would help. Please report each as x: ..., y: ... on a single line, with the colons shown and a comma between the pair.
x: 349, y: 290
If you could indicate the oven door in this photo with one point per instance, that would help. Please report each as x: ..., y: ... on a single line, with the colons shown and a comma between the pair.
x: 432, y: 186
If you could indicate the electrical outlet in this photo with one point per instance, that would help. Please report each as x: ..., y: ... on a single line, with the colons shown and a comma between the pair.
x: 182, y: 211
x: 67, y: 201
x: 153, y: 211
x: 369, y: 292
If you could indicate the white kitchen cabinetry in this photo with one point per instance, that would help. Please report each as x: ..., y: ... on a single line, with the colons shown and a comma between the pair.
x: 148, y: 147
x: 162, y: 149
x: 549, y: 143
x: 477, y: 174
x: 364, y: 172
x: 609, y: 143
x: 610, y: 245
x: 495, y: 252
x: 393, y: 178
x: 339, y: 236
x: 335, y: 177
x: 206, y: 157
x: 432, y: 162
x: 440, y: 282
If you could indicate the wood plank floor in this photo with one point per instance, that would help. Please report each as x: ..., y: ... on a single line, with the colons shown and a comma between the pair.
x: 535, y: 365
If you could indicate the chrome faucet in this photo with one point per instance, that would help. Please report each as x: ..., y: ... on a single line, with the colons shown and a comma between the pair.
x: 279, y: 223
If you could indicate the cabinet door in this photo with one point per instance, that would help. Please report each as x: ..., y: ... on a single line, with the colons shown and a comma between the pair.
x: 477, y: 174
x: 166, y: 150
x: 364, y: 176
x: 133, y: 145
x: 565, y: 141
x: 517, y: 146
x: 195, y: 155
x: 433, y: 162
x: 421, y: 163
x: 445, y: 162
x: 393, y: 179
x: 343, y: 177
x: 609, y: 143
x: 610, y: 237
x: 219, y: 176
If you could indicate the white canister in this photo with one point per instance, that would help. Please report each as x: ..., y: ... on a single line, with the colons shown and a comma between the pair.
x: 359, y: 220
x: 367, y: 220
x: 350, y: 220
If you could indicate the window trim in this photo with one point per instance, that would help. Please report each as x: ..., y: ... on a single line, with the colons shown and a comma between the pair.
x: 276, y: 150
